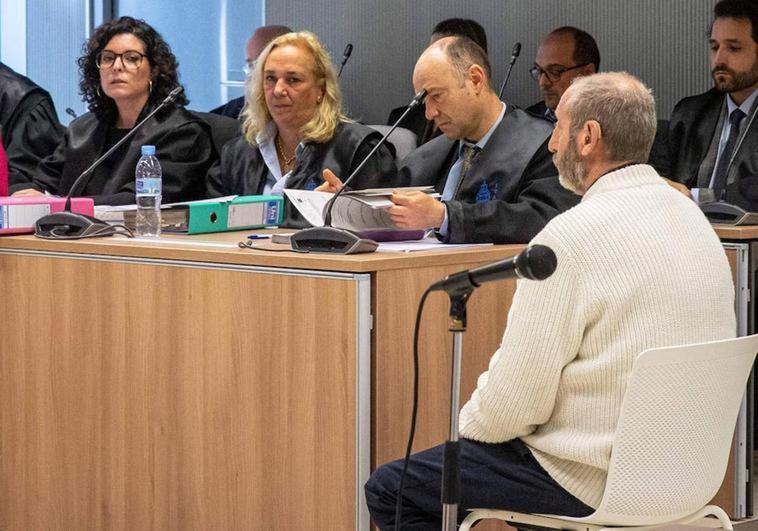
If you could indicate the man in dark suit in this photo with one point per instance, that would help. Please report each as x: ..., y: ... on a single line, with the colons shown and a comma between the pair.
x: 712, y: 139
x: 492, y: 166
x: 565, y: 54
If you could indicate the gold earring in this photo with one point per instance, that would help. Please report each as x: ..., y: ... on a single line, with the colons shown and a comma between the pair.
x: 97, y: 91
x: 150, y: 86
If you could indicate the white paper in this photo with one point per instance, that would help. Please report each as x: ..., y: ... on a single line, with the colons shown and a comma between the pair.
x: 427, y: 244
x: 310, y: 204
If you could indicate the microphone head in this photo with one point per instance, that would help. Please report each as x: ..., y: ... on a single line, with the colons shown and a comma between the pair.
x: 536, y: 263
x: 348, y: 50
x: 174, y: 94
x: 516, y: 49
x: 419, y: 98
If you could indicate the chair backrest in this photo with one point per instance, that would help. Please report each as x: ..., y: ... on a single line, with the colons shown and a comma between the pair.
x: 402, y: 139
x: 672, y: 442
x: 223, y: 128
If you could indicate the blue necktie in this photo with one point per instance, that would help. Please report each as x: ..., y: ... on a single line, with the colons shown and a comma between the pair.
x: 719, y: 179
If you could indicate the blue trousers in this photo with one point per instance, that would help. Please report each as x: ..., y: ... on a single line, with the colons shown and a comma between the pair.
x: 495, y: 476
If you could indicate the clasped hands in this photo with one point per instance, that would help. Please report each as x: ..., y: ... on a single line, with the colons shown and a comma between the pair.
x: 411, y: 210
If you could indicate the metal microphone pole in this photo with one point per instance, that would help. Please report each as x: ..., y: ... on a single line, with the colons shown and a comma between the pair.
x: 451, y: 481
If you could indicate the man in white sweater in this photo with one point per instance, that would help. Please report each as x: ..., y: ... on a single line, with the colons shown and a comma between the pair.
x: 638, y: 267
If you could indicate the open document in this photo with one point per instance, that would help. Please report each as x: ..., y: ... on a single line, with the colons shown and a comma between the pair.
x: 363, y: 211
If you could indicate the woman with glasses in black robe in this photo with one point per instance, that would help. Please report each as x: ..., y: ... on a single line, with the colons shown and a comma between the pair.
x: 126, y: 71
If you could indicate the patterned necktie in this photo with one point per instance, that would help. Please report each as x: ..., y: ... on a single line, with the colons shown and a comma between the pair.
x: 719, y: 179
x: 455, y: 178
x: 469, y: 152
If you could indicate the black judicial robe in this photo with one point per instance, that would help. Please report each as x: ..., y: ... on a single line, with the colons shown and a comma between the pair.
x: 538, y: 109
x: 231, y: 109
x: 242, y: 170
x: 511, y: 190
x: 182, y: 144
x: 28, y: 123
x: 687, y: 152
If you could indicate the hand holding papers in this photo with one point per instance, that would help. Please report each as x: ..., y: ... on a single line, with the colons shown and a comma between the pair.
x: 363, y: 211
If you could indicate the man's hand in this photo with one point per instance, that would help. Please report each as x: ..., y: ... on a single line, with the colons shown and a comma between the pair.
x: 679, y: 187
x: 331, y: 184
x: 27, y: 191
x: 416, y: 210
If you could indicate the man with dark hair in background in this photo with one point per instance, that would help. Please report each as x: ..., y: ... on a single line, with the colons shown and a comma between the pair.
x: 565, y: 54
x: 450, y: 27
x: 255, y: 45
x: 28, y: 124
x: 712, y: 140
x: 491, y: 167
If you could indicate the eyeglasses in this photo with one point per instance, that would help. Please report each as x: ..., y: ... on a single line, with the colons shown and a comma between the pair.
x: 248, y: 67
x: 131, y: 59
x: 553, y: 73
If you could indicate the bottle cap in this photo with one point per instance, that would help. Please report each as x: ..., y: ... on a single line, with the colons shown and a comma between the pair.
x: 148, y: 150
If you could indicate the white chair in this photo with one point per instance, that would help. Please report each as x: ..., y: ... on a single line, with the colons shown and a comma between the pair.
x: 672, y: 442
x: 402, y: 139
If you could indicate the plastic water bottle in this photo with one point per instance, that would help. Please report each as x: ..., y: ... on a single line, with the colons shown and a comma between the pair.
x: 148, y: 187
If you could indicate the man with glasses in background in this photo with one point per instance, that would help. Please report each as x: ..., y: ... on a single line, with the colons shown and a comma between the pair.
x: 255, y: 45
x: 566, y: 53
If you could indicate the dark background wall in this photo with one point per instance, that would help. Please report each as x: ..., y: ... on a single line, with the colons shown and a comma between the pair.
x: 664, y: 42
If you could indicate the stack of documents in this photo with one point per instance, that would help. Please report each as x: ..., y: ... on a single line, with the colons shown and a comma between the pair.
x: 362, y: 211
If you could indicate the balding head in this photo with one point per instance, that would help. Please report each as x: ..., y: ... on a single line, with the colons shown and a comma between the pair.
x: 455, y: 73
x: 260, y: 39
x: 461, y: 53
x: 564, y: 54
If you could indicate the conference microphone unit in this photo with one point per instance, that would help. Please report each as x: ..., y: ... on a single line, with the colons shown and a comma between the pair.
x: 328, y: 239
x: 67, y: 225
x: 537, y: 262
x: 514, y: 55
x: 345, y: 56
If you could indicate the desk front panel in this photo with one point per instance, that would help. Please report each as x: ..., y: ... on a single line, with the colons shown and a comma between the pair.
x: 148, y: 395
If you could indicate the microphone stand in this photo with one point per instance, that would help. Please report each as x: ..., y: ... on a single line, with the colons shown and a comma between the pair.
x: 66, y: 219
x: 451, y: 481
x: 328, y: 239
x: 514, y: 55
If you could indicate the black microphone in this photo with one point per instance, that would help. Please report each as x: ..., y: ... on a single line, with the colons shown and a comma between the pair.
x: 345, y: 57
x: 514, y: 55
x: 71, y: 113
x: 328, y: 239
x: 535, y: 263
x: 66, y: 223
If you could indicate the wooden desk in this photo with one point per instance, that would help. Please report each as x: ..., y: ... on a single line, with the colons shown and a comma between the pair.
x: 188, y: 385
x: 736, y: 494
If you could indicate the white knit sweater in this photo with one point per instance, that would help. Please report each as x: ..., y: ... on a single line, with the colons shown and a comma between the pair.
x: 638, y: 267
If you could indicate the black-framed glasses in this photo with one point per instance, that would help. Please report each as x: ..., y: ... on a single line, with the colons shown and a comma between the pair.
x: 131, y: 59
x: 553, y: 73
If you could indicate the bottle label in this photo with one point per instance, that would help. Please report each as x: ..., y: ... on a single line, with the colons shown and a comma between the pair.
x: 148, y: 186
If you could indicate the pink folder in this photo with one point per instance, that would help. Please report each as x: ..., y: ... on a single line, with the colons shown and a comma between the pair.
x: 3, y: 171
x: 19, y: 214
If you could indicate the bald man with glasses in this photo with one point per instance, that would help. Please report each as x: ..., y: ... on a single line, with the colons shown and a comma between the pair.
x: 565, y: 54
